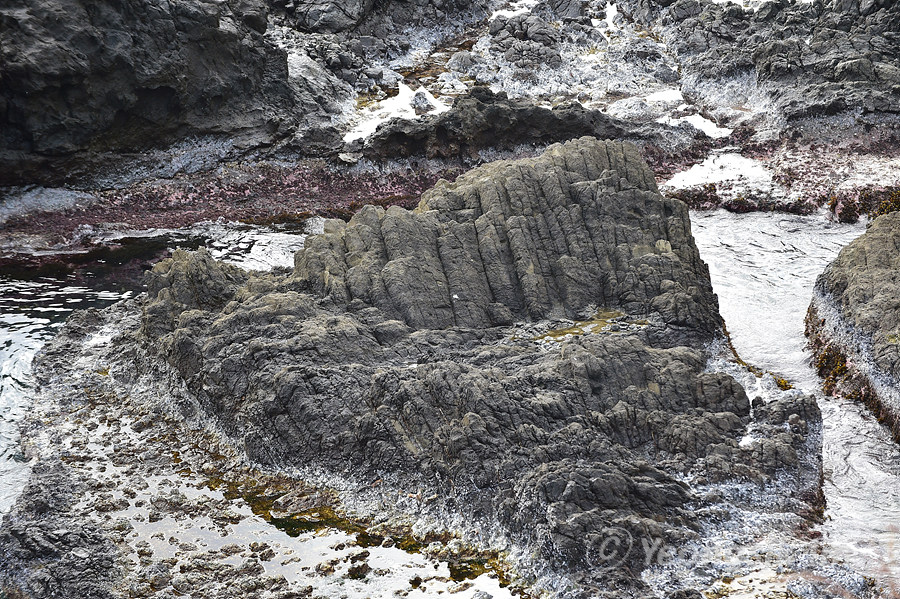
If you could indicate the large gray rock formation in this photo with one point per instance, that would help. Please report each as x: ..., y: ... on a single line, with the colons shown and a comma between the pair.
x: 558, y: 236
x: 330, y: 17
x: 388, y: 354
x: 854, y: 323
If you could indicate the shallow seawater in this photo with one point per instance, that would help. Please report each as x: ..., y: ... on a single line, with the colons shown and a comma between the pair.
x: 763, y: 267
x: 33, y: 305
x: 30, y: 312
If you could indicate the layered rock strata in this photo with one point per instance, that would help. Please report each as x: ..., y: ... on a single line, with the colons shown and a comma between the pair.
x: 853, y: 323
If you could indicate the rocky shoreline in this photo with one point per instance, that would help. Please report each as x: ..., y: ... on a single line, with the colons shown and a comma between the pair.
x: 851, y: 324
x: 128, y: 497
x: 499, y: 368
x: 390, y: 358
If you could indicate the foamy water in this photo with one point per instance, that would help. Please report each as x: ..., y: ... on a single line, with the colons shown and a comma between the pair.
x: 763, y: 267
x: 30, y: 313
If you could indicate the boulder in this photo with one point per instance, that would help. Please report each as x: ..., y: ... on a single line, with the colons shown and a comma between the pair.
x: 331, y: 17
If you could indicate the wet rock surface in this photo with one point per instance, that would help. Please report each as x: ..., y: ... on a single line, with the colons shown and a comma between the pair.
x: 853, y: 323
x: 128, y: 498
x: 375, y: 357
x: 49, y: 556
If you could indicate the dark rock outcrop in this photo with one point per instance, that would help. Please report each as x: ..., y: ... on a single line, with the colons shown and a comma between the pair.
x: 484, y: 120
x: 86, y: 81
x: 330, y: 17
x: 376, y: 19
x: 854, y: 323
x: 812, y: 59
x: 388, y: 354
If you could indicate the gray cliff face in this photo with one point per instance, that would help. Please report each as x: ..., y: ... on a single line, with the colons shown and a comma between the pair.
x: 87, y: 84
x: 383, y: 353
x: 111, y: 76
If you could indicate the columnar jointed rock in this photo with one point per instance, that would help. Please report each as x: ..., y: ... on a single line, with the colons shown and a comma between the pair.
x: 380, y: 355
x: 579, y: 227
x: 854, y: 323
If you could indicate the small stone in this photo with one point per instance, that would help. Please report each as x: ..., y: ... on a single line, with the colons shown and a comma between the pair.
x: 420, y: 103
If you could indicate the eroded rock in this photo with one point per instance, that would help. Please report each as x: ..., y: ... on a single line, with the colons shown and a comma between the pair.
x: 389, y: 350
x: 853, y: 322
x: 813, y: 60
x: 483, y: 120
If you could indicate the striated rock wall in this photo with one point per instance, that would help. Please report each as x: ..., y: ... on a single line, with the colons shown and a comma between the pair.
x: 854, y: 321
x: 581, y: 226
x: 384, y: 356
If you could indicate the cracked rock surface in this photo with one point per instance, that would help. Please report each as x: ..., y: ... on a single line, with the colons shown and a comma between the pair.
x: 390, y: 349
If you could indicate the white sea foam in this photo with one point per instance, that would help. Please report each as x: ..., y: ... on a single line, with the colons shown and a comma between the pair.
x: 724, y: 167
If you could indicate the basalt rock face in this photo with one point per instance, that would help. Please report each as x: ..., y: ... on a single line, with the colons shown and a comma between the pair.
x: 810, y: 59
x: 558, y: 236
x: 83, y: 81
x: 485, y: 120
x: 854, y: 324
x: 389, y: 354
